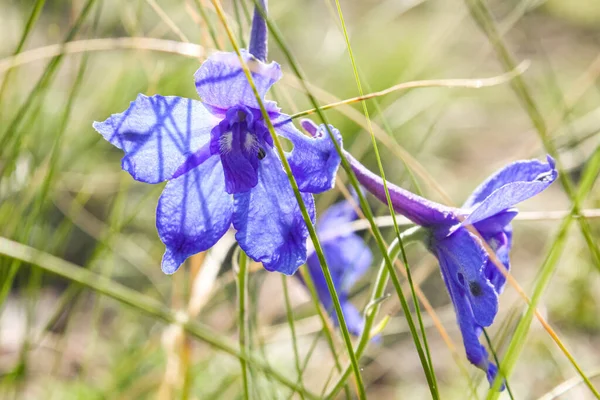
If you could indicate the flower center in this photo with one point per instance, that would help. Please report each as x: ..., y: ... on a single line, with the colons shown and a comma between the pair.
x: 241, y: 140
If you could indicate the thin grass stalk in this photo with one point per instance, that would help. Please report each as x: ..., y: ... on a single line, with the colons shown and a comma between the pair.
x: 324, y: 322
x: 495, y: 356
x: 520, y: 335
x: 290, y: 320
x: 208, y: 23
x: 363, y: 203
x: 426, y: 363
x: 33, y: 17
x: 302, y: 206
x: 41, y: 85
x: 238, y: 20
x: 242, y: 289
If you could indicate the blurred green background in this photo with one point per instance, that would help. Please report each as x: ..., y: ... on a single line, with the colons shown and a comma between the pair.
x: 62, y: 190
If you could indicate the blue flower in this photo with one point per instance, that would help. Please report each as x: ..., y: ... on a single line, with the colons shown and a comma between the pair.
x: 218, y: 158
x: 348, y: 257
x: 472, y: 279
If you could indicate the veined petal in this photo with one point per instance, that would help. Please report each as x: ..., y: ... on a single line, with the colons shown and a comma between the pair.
x: 419, y: 210
x: 314, y: 161
x: 159, y: 135
x: 269, y: 223
x: 221, y: 82
x: 511, y: 185
x: 464, y: 258
x: 193, y: 213
x: 470, y: 330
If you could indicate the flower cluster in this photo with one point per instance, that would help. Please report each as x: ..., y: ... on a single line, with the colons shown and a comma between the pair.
x: 457, y: 235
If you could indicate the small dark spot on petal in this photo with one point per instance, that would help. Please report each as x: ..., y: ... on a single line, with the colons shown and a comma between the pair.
x: 261, y: 153
x: 475, y: 288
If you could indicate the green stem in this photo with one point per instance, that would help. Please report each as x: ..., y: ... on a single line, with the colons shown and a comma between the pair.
x: 290, y: 320
x: 326, y: 328
x: 33, y: 17
x: 242, y: 286
x: 495, y: 356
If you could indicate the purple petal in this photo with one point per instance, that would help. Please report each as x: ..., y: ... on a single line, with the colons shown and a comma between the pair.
x: 465, y: 258
x: 419, y: 210
x: 500, y: 242
x: 270, y: 227
x: 158, y: 135
x: 515, y: 183
x: 259, y: 33
x: 314, y: 161
x: 221, y: 82
x: 470, y: 330
x: 193, y: 213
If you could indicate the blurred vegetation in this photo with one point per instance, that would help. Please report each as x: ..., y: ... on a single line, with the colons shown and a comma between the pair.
x: 62, y: 192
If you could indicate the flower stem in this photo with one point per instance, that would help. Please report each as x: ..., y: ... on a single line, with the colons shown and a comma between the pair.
x: 242, y: 286
x: 291, y: 323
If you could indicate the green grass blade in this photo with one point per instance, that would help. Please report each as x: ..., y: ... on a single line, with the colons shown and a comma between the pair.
x: 290, y: 320
x: 33, y: 17
x: 242, y: 289
x: 13, y: 127
x: 426, y: 362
